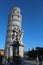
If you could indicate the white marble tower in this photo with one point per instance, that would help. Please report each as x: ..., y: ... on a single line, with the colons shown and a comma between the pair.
x: 14, y: 33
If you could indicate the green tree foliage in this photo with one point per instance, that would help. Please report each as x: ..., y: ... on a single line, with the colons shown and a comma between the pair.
x: 33, y: 53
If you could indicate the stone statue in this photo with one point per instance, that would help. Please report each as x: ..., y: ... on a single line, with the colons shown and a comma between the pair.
x: 17, y: 34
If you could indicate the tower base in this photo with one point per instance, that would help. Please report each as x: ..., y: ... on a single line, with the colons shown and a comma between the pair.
x: 17, y: 60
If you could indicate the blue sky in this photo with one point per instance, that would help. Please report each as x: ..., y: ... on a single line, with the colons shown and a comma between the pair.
x: 32, y: 22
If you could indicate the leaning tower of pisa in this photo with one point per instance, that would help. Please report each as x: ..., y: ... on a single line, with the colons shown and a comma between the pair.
x: 14, y: 34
